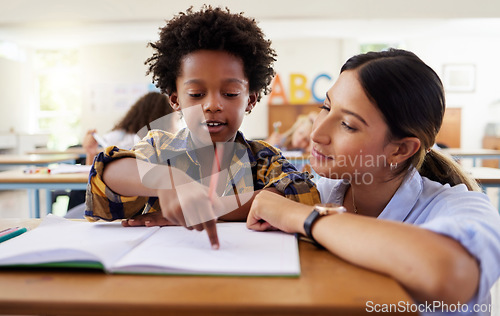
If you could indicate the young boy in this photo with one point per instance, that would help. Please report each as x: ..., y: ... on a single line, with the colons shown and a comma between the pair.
x: 214, y: 66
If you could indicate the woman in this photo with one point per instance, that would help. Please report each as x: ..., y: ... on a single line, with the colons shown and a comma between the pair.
x: 373, y: 139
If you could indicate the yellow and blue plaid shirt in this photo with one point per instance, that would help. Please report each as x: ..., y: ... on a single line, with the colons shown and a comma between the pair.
x: 268, y: 169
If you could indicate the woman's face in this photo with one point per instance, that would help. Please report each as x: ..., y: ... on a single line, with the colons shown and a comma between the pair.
x: 349, y: 134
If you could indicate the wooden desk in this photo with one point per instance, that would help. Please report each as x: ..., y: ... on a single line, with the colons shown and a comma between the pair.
x: 17, y: 179
x: 487, y: 178
x: 473, y: 154
x: 327, y: 286
x: 45, y: 151
x: 36, y: 160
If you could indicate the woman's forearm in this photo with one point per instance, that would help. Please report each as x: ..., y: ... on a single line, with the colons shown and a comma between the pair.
x: 431, y: 266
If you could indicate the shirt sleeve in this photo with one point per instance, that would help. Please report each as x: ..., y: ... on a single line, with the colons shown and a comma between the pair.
x: 470, y: 219
x: 273, y: 170
x: 101, y: 202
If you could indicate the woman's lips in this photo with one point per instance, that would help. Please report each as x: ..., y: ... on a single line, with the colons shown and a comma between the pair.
x: 318, y: 155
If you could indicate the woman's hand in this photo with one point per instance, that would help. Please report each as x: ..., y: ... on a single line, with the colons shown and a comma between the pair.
x: 272, y: 211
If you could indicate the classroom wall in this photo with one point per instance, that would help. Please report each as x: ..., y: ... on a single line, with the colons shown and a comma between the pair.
x: 111, y: 72
x: 113, y: 75
x: 113, y: 78
x: 476, y: 106
x: 16, y: 96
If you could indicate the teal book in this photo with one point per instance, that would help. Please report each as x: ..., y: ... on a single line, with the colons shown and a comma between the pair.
x: 58, y: 242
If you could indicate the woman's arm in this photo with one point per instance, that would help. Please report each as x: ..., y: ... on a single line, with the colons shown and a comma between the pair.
x: 429, y: 265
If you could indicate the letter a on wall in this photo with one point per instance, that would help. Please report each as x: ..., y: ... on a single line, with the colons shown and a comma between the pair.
x: 277, y: 92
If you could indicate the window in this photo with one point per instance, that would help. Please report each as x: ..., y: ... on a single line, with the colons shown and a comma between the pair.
x: 376, y: 47
x: 60, y: 96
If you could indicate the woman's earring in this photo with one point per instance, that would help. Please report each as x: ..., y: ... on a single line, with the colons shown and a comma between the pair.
x: 394, y: 166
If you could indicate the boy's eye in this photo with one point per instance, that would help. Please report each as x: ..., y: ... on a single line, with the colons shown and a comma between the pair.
x: 231, y: 95
x: 195, y: 95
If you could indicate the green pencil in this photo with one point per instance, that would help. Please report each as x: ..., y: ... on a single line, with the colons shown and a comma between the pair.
x: 13, y: 234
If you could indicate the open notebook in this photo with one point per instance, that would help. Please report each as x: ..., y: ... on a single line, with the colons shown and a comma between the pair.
x: 153, y: 250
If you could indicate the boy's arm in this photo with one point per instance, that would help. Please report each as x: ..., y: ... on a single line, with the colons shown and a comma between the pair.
x: 274, y: 171
x: 241, y: 213
x: 119, y: 201
x: 122, y: 176
x: 101, y: 201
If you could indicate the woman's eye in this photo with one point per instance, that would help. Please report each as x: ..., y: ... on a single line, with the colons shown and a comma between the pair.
x: 347, y: 127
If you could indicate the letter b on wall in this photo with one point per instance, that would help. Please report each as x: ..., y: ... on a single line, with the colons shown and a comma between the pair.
x: 299, y: 93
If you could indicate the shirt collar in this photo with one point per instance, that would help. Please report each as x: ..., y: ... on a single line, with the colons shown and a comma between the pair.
x: 182, y: 142
x: 240, y: 164
x: 400, y: 205
x: 405, y: 198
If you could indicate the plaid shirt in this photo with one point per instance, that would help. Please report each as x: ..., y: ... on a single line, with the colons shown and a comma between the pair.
x: 268, y: 169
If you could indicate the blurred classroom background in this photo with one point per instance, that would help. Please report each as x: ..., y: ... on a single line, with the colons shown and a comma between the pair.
x: 68, y: 66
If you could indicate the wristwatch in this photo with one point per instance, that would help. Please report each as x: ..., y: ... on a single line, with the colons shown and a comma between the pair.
x: 320, y: 210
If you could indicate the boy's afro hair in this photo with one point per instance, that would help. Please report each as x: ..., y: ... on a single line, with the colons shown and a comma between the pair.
x: 212, y: 29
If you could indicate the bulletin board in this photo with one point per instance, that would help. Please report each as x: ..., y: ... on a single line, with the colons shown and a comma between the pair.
x: 450, y: 131
x: 287, y: 114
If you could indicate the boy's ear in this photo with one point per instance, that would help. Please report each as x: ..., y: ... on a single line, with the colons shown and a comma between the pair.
x: 174, y: 101
x: 404, y: 149
x: 252, y: 100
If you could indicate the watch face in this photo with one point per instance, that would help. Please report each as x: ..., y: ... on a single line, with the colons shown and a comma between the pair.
x: 328, y: 208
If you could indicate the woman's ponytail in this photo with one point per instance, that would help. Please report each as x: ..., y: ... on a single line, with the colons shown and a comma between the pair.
x: 441, y: 168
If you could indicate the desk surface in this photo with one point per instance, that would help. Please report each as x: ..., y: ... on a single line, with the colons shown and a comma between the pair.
x: 471, y: 152
x: 45, y: 151
x: 18, y: 176
x: 36, y: 159
x: 485, y: 175
x: 327, y: 286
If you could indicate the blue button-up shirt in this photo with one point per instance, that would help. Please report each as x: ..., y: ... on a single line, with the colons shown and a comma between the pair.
x: 463, y: 215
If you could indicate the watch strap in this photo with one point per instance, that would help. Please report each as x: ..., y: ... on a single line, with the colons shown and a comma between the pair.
x: 308, y: 223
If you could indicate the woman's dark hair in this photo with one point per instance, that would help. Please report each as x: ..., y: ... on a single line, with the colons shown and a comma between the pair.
x: 212, y: 29
x: 410, y: 96
x: 148, y: 108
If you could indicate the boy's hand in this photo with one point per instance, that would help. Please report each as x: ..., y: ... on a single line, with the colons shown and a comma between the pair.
x: 198, y: 210
x: 189, y: 205
x: 183, y: 202
x: 149, y: 219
